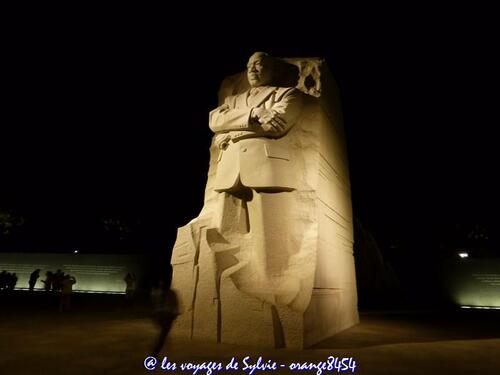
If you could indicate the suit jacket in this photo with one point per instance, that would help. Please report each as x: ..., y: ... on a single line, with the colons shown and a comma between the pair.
x: 257, y: 158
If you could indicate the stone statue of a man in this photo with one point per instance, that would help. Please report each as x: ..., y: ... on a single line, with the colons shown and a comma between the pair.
x: 256, y: 177
x: 268, y: 261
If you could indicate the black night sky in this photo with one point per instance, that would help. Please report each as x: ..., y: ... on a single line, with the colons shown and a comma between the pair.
x: 112, y: 125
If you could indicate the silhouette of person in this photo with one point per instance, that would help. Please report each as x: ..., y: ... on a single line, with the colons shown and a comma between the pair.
x: 12, y: 281
x: 130, y: 281
x: 67, y: 288
x: 49, y: 279
x: 33, y: 278
x: 3, y: 280
x: 57, y: 282
x: 165, y: 310
x: 6, y: 280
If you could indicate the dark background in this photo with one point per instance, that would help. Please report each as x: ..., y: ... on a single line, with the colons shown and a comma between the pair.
x: 105, y: 128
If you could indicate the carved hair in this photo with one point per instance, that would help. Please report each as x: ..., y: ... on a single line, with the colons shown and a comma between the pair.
x: 264, y: 56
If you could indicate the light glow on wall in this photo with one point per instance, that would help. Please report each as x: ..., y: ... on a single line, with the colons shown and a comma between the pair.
x: 94, y: 273
x: 481, y: 307
x: 474, y: 283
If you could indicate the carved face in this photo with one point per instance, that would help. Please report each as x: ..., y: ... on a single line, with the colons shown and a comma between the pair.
x: 259, y: 70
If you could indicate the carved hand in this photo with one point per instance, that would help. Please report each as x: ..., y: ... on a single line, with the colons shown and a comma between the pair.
x: 269, y: 120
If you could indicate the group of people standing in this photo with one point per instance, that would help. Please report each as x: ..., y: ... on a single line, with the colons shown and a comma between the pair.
x: 54, y: 281
x: 8, y: 280
x: 57, y: 282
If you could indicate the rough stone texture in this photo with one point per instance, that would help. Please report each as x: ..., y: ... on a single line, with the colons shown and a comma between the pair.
x: 241, y: 280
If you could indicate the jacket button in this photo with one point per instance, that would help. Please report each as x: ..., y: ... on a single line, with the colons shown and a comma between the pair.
x: 244, y: 149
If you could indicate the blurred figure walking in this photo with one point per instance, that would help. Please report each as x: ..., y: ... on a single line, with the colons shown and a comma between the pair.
x: 165, y: 311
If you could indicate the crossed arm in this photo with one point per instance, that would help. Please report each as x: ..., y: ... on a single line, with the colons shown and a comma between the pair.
x: 274, y: 121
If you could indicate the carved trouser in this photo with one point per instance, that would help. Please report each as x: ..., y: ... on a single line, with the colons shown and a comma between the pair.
x: 267, y: 230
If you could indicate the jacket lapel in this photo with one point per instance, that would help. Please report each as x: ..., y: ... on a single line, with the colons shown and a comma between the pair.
x: 241, y: 100
x: 257, y: 100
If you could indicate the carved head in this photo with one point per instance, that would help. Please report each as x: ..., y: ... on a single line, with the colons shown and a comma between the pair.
x: 260, y: 69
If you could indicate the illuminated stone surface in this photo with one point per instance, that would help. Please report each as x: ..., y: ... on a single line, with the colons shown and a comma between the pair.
x: 269, y: 260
